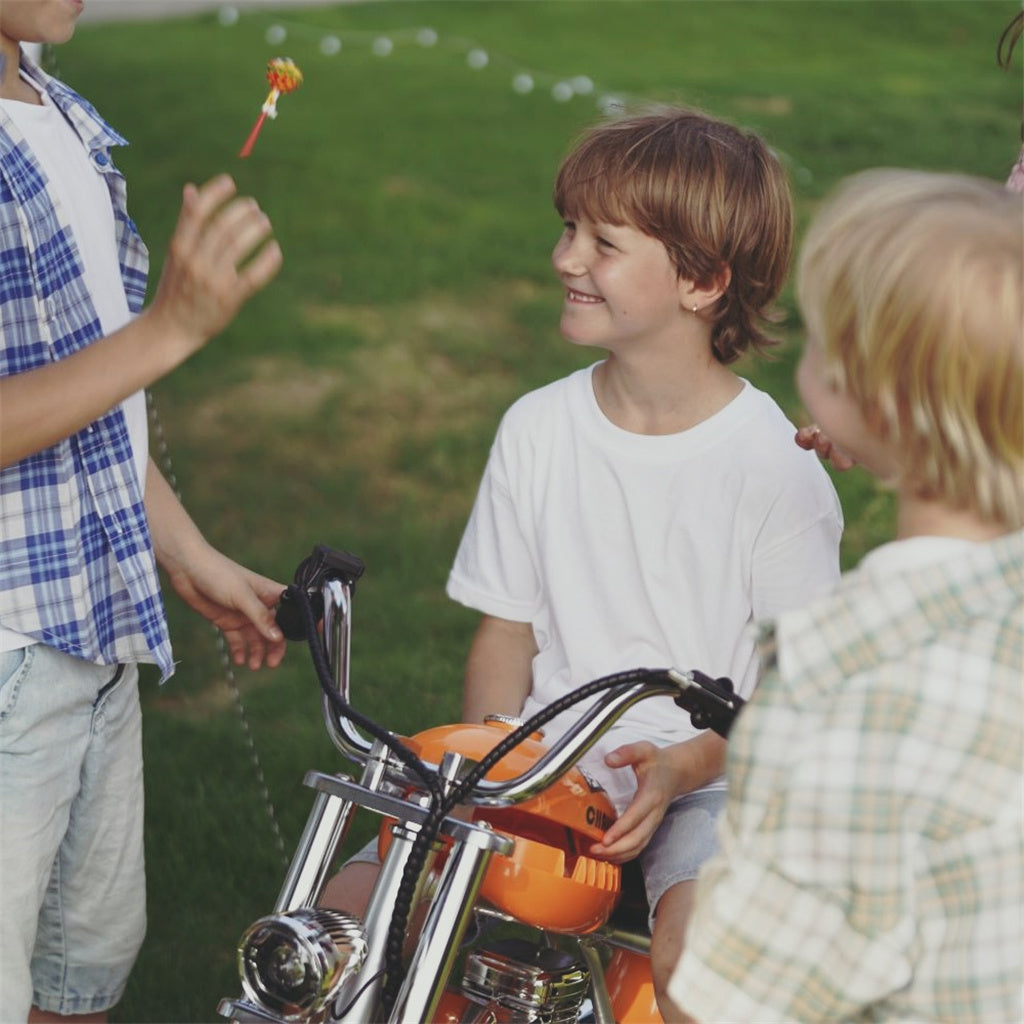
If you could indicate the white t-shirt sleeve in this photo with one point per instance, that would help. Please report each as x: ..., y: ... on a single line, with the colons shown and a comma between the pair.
x: 797, y: 562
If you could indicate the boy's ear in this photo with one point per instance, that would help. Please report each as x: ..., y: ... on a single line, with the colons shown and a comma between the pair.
x: 704, y: 294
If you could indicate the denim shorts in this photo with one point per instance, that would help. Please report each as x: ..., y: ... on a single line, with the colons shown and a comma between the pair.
x: 72, y: 886
x: 684, y: 840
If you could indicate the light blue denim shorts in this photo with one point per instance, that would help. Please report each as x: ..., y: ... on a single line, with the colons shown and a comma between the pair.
x: 684, y: 840
x: 72, y: 885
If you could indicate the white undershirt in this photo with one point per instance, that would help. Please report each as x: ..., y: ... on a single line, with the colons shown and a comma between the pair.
x: 84, y: 204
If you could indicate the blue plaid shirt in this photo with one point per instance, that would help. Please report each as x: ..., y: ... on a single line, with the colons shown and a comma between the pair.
x: 77, y: 569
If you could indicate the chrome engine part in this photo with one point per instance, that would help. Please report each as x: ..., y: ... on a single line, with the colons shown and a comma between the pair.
x: 530, y: 983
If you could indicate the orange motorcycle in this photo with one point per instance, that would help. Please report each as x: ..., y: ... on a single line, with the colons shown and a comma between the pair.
x: 487, y: 908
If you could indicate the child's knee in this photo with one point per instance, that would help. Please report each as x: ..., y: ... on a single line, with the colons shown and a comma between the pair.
x: 350, y: 888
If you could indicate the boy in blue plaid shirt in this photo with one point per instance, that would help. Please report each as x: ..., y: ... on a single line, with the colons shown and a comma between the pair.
x: 872, y: 854
x: 85, y: 516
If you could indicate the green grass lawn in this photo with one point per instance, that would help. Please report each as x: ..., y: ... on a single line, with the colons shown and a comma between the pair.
x: 354, y: 401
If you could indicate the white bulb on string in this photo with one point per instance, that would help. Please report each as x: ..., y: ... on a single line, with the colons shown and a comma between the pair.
x: 477, y: 59
x: 330, y: 45
x: 382, y: 46
x: 581, y: 85
x: 227, y: 15
x: 426, y: 37
x: 562, y: 91
x: 611, y: 105
x: 523, y: 83
x: 276, y: 35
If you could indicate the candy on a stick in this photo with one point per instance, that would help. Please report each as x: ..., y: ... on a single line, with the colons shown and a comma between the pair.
x: 284, y: 76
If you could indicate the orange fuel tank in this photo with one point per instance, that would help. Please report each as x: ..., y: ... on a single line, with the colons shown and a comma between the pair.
x: 548, y: 880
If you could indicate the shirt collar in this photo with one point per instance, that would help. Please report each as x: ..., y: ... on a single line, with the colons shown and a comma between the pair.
x: 94, y: 132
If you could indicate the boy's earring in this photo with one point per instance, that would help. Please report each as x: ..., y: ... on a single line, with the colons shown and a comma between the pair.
x: 695, y: 307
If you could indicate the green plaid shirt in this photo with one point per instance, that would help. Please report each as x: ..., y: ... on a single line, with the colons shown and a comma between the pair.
x: 872, y: 861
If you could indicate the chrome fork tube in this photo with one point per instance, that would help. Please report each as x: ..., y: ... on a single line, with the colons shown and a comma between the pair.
x: 364, y: 1008
x: 325, y: 830
x: 603, y: 1011
x: 451, y: 909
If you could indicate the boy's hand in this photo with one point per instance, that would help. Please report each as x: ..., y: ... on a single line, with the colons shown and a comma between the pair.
x: 238, y: 602
x: 812, y: 439
x: 220, y: 255
x: 656, y: 781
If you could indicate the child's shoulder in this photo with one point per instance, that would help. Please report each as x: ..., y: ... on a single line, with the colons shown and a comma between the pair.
x: 907, y: 596
x: 764, y: 435
x: 551, y: 399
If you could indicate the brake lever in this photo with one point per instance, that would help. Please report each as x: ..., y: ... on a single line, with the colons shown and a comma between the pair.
x: 711, y: 703
x: 324, y: 563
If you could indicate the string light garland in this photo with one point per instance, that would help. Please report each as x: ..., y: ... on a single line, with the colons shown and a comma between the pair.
x: 383, y: 44
x: 522, y: 80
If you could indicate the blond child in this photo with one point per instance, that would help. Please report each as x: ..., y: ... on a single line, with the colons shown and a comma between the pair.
x: 874, y: 833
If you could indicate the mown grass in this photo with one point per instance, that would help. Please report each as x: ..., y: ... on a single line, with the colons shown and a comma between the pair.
x: 354, y: 401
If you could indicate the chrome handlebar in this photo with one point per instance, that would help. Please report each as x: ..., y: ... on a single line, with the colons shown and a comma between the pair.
x: 337, y: 595
x: 712, y: 701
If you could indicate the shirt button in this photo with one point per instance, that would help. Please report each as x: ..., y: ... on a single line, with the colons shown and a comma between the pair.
x: 102, y: 159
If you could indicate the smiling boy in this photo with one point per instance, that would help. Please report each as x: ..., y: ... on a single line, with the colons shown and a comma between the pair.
x: 645, y: 510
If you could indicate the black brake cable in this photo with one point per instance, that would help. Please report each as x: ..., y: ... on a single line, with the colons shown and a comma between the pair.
x: 342, y: 707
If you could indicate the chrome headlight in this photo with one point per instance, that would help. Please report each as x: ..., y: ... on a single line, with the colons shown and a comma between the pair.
x: 293, y: 964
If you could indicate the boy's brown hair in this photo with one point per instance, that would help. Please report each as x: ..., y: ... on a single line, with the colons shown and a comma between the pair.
x: 714, y: 195
x: 911, y: 283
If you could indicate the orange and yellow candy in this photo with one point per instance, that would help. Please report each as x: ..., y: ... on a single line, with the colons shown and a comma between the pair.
x: 284, y: 76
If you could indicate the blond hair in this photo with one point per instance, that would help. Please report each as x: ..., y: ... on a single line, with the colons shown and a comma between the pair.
x: 913, y: 283
x: 715, y: 197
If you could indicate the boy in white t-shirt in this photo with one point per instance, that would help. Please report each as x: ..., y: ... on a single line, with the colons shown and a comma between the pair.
x: 873, y: 839
x: 85, y: 516
x: 644, y: 511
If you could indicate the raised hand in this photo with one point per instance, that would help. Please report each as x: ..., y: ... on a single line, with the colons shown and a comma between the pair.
x: 220, y: 255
